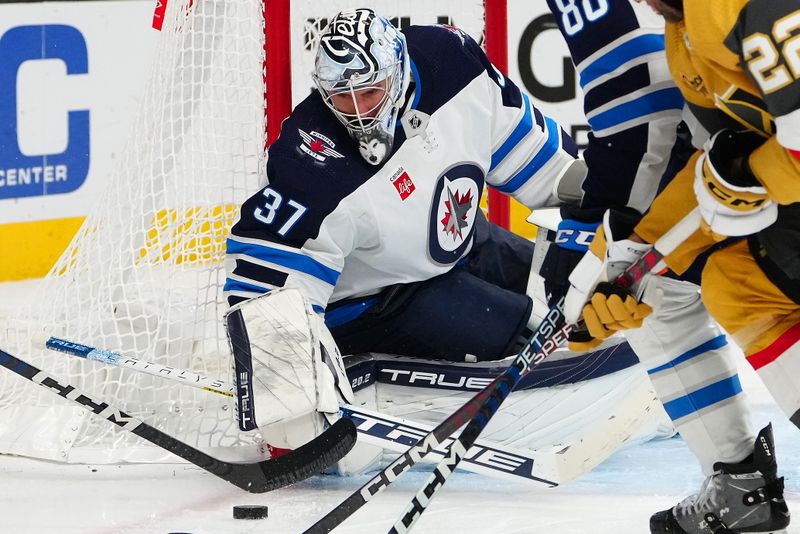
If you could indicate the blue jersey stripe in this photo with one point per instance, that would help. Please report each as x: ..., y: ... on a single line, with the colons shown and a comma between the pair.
x: 417, y: 82
x: 539, y: 118
x: 661, y: 100
x: 544, y: 154
x: 348, y: 312
x: 520, y: 131
x: 711, y: 344
x: 292, y: 260
x: 612, y: 60
x: 703, y: 397
x: 237, y: 285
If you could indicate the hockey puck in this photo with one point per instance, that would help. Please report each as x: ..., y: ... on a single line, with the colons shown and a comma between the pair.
x: 250, y: 511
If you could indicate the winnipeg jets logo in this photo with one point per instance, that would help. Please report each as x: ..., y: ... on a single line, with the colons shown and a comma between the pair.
x: 453, y: 213
x: 458, y: 207
x: 318, y: 146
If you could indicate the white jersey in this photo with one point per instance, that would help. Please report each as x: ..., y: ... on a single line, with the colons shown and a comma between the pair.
x: 336, y: 227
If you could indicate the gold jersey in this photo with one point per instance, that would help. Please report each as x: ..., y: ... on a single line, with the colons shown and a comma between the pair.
x: 743, y: 59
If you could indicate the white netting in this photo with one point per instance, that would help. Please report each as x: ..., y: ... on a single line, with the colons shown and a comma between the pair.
x: 145, y: 270
x: 144, y: 275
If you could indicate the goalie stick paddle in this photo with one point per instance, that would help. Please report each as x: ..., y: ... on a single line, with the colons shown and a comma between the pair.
x: 378, y: 429
x: 260, y: 477
x: 549, y: 468
x: 458, y: 449
x: 485, y: 401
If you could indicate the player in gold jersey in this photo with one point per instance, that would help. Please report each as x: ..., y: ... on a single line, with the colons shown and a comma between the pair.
x: 737, y: 63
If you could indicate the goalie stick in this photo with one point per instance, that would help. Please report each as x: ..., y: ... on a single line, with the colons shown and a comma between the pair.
x: 541, y: 467
x: 509, y: 379
x: 308, y: 460
x: 483, y: 405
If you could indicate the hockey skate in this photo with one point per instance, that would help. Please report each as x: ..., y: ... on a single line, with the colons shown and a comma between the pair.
x: 746, y: 497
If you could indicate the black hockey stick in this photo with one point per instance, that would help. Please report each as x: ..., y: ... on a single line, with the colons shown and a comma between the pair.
x: 306, y: 461
x: 458, y: 449
x: 406, y: 460
x: 387, y: 431
x: 483, y: 405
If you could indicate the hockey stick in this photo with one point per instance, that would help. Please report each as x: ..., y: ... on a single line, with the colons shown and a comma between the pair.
x: 497, y: 389
x: 308, y: 460
x: 551, y: 466
x: 386, y: 431
x: 181, y: 376
x: 664, y: 246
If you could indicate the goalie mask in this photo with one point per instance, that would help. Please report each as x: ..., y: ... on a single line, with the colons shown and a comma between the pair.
x: 362, y: 73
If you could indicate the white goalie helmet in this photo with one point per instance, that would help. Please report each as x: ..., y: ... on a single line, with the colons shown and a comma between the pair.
x: 362, y: 72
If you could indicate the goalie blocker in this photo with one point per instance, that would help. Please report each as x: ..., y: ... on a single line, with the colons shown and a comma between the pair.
x: 288, y: 372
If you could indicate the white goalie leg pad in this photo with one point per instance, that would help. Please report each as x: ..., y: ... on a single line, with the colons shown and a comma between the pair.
x: 694, y: 372
x: 613, y: 409
x: 363, y: 457
x: 288, y: 371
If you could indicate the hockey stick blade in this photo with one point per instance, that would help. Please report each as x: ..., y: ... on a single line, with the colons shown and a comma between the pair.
x: 260, y: 477
x: 387, y: 431
x: 413, y: 455
x: 384, y: 430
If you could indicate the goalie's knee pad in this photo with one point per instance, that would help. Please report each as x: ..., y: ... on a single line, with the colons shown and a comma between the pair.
x: 693, y: 370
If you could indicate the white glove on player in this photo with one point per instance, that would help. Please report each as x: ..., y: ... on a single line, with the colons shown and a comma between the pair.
x: 607, y: 257
x: 289, y: 374
x: 731, y: 200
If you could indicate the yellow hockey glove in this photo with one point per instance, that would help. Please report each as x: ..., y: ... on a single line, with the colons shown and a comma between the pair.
x: 612, y: 308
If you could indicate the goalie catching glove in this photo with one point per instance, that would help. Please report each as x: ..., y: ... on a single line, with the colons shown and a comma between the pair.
x: 731, y: 199
x: 288, y: 372
x: 606, y: 306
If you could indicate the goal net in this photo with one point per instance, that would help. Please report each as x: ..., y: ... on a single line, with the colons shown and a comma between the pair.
x: 144, y: 274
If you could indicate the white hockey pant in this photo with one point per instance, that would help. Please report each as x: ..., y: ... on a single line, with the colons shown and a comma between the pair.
x: 693, y: 370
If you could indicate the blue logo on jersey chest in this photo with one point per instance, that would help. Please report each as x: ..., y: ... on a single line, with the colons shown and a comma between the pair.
x: 456, y: 201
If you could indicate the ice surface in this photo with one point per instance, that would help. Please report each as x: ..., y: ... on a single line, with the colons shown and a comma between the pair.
x: 617, y: 497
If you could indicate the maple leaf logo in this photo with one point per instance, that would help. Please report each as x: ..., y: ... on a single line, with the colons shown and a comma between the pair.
x: 317, y: 145
x: 455, y: 219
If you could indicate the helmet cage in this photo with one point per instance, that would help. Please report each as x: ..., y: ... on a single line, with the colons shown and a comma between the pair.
x: 383, y: 81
